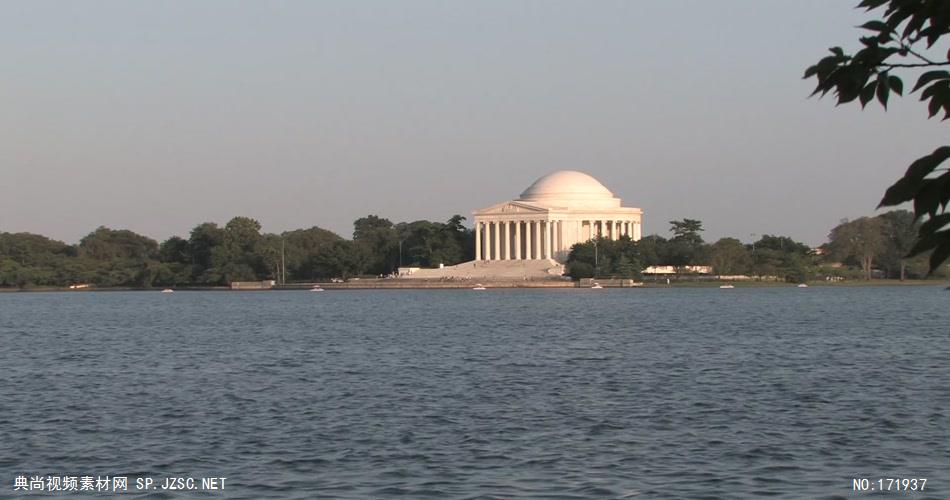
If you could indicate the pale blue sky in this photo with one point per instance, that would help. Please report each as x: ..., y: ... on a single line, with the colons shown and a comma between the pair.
x: 156, y: 116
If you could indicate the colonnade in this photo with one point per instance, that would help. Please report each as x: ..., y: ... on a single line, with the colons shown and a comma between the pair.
x: 517, y: 239
x: 610, y: 229
x: 542, y: 239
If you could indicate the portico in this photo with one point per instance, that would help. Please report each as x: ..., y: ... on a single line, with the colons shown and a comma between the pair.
x: 554, y: 213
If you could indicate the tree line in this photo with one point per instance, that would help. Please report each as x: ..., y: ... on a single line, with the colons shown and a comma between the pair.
x: 904, y: 40
x: 855, y: 250
x: 214, y: 255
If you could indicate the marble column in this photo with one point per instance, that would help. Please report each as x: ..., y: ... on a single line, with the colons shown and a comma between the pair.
x: 478, y: 241
x: 537, y: 238
x: 503, y: 240
x: 545, y: 239
x: 496, y: 243
x: 636, y: 231
x: 518, y: 240
x: 527, y: 240
x: 550, y: 239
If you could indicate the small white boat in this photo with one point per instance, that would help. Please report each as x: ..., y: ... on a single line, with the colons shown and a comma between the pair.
x: 478, y: 286
x: 316, y: 288
x: 726, y: 286
x: 802, y: 285
x: 168, y: 290
x: 596, y: 286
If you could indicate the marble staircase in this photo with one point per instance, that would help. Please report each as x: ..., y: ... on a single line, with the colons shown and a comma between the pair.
x: 494, y: 270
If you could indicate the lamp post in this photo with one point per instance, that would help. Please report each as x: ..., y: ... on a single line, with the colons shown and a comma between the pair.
x: 596, y: 262
x: 400, y: 252
x: 753, y: 252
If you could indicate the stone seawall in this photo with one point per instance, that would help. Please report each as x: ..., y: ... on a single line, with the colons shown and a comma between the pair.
x: 407, y: 284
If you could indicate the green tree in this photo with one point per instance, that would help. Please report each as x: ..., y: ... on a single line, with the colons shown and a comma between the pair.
x: 900, y: 234
x: 459, y: 241
x: 782, y: 244
x: 241, y: 254
x: 578, y: 270
x: 302, y: 248
x: 654, y: 250
x: 119, y: 257
x: 420, y: 242
x: 624, y: 267
x: 687, y: 229
x: 902, y: 40
x: 236, y: 252
x: 111, y: 244
x: 686, y: 248
x: 176, y: 250
x: 379, y: 243
x: 202, y: 240
x: 341, y: 259
x: 783, y: 257
x: 32, y: 259
x: 861, y: 239
x: 602, y: 257
x: 175, y: 263
x: 31, y: 249
x: 729, y: 256
x: 14, y: 274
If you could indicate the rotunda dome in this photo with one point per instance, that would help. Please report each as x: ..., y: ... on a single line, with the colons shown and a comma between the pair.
x: 570, y: 188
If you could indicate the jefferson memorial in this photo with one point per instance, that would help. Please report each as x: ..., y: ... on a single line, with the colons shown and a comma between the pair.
x: 557, y: 211
x: 530, y: 238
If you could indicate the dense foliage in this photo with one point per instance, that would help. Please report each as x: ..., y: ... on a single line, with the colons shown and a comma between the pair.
x: 867, y: 244
x: 902, y: 41
x: 215, y: 255
x: 212, y: 255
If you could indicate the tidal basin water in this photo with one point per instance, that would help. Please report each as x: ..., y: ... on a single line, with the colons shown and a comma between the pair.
x: 615, y: 393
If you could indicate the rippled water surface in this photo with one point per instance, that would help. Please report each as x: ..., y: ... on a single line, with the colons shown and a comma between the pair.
x: 500, y: 394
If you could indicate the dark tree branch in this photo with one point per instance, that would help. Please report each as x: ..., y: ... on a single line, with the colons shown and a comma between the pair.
x: 914, y: 65
x: 922, y: 58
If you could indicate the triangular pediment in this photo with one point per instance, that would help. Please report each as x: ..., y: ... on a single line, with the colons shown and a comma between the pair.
x: 512, y: 207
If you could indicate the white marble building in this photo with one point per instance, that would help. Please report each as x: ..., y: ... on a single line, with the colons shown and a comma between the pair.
x: 557, y: 211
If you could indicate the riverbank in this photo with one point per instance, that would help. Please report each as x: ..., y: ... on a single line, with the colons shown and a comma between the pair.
x: 410, y: 284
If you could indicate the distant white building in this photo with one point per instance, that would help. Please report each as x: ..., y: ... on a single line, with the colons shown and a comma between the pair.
x: 675, y: 270
x: 557, y: 211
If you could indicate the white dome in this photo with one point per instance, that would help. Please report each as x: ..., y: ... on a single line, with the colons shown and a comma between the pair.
x: 570, y: 188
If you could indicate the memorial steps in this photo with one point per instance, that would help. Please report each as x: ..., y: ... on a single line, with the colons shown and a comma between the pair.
x: 525, y: 270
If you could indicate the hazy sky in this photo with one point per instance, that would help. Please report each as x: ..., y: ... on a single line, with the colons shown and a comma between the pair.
x: 156, y: 116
